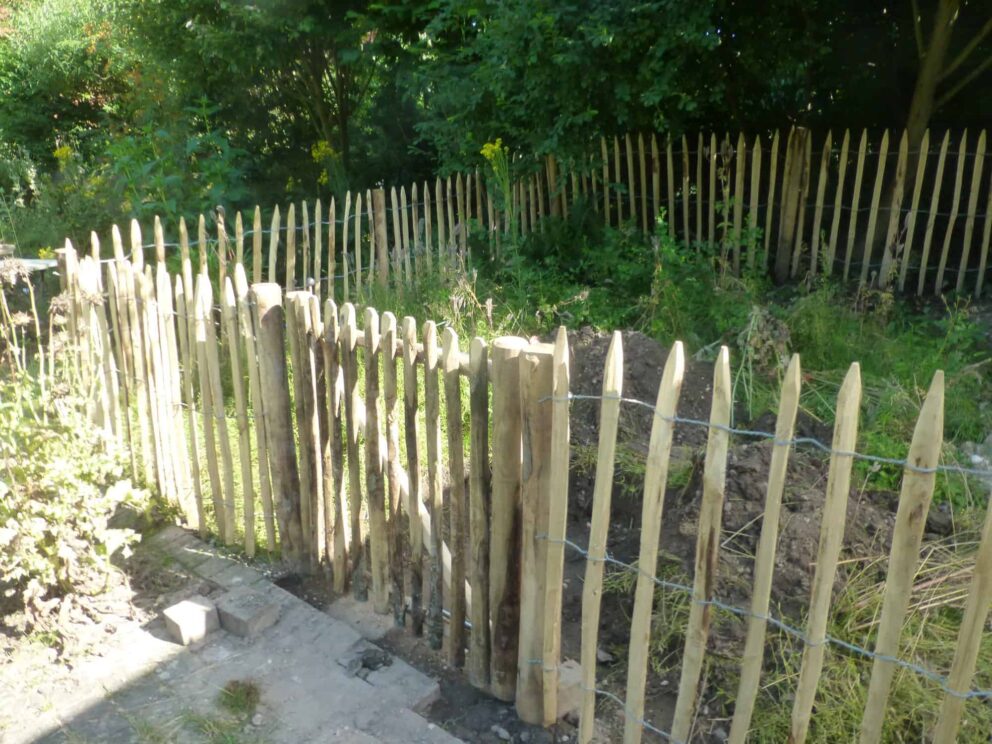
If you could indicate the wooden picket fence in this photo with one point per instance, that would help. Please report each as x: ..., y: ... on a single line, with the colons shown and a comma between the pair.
x: 867, y: 210
x: 426, y: 529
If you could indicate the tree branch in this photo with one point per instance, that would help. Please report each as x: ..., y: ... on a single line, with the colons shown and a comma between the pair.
x: 918, y: 29
x: 963, y: 82
x: 968, y: 49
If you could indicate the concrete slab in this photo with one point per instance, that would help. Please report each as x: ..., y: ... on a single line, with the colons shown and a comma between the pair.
x: 246, y: 612
x: 191, y: 620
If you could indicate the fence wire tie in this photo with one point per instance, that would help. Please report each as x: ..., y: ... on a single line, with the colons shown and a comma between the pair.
x: 922, y: 671
x: 816, y: 443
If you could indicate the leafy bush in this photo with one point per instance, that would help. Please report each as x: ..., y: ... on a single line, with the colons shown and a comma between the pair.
x: 61, y: 481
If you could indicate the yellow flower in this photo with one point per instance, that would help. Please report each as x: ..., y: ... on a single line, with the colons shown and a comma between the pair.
x: 492, y: 150
x: 63, y: 153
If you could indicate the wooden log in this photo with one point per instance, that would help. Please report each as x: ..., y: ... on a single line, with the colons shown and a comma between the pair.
x: 592, y: 587
x: 828, y: 551
x: 934, y: 209
x: 248, y: 334
x: 969, y: 225
x: 394, y: 471
x: 907, y: 537
x: 374, y: 474
x: 764, y: 561
x: 557, y: 517
x: 504, y: 554
x: 479, y: 505
x: 707, y: 548
x: 410, y: 416
x: 450, y: 367
x: 955, y: 204
x: 852, y: 229
x: 655, y: 481
x: 883, y: 151
x: 536, y: 363
x: 838, y: 204
x: 907, y: 250
x: 268, y: 318
x: 435, y: 620
x: 335, y: 500
x: 229, y: 313
x: 352, y: 405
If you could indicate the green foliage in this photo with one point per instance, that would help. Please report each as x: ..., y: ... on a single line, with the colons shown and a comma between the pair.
x: 56, y: 503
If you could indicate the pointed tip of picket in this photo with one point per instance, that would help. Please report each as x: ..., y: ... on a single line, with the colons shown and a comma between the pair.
x: 613, y: 369
x: 347, y: 314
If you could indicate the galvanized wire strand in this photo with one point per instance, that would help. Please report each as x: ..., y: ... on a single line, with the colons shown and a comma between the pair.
x: 810, y: 441
x: 922, y: 671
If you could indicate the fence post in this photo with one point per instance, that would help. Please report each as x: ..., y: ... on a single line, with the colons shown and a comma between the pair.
x: 183, y: 316
x: 229, y: 312
x: 381, y: 244
x: 280, y: 442
x: 334, y: 491
x: 432, y: 399
x: 479, y: 504
x: 828, y: 551
x: 592, y: 589
x: 557, y: 515
x: 655, y: 482
x: 707, y: 547
x: 450, y: 363
x: 374, y: 477
x: 410, y: 417
x: 296, y: 330
x: 504, y: 552
x: 393, y: 469
x: 352, y: 402
x: 792, y: 185
x: 536, y: 363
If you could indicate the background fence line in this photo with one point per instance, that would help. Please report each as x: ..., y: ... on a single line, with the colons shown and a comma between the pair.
x: 483, y: 521
x: 919, y: 219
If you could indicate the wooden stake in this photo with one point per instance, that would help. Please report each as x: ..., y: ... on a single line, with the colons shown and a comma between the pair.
x: 883, y: 152
x: 831, y: 538
x: 268, y: 317
x: 536, y: 363
x: 273, y: 244
x: 969, y: 225
x: 504, y: 555
x: 655, y: 481
x: 707, y: 547
x: 911, y: 518
x: 435, y: 621
x: 821, y: 187
x: 907, y: 249
x: 394, y: 470
x: 352, y: 405
x: 410, y: 416
x: 479, y: 504
x: 838, y: 204
x: 450, y: 365
x: 852, y: 230
x: 764, y: 561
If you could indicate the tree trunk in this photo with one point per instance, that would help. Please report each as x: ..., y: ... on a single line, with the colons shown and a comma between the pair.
x: 931, y: 66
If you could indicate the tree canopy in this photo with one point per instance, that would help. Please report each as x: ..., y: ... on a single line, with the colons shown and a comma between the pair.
x: 136, y: 106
